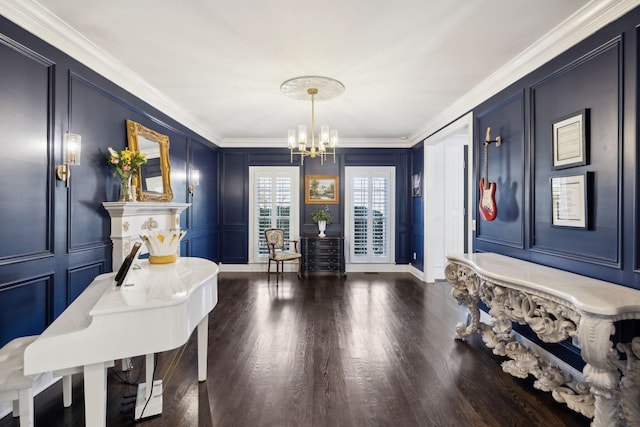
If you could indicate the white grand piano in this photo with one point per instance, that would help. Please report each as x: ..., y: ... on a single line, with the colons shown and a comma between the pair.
x: 155, y: 310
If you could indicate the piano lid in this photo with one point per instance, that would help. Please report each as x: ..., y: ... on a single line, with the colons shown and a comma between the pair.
x: 155, y: 285
x: 105, y: 323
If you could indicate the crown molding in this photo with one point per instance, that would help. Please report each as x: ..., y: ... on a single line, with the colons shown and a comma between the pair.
x: 39, y: 21
x: 583, y: 23
x: 344, y: 143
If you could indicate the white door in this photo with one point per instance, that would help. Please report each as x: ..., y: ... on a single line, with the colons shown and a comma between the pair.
x: 445, y: 196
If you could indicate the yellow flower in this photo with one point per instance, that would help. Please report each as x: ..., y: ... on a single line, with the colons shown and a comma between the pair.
x: 126, y: 162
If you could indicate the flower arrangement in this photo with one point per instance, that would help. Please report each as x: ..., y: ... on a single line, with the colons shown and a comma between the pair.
x: 322, y: 214
x: 126, y: 162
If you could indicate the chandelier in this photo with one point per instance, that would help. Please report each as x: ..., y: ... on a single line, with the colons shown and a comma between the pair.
x: 314, y: 88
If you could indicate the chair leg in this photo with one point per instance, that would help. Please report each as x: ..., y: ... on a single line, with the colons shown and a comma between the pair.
x: 299, y: 268
x: 269, y: 267
x: 67, y: 390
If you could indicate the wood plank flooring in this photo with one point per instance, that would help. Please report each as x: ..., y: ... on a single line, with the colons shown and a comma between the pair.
x: 368, y: 350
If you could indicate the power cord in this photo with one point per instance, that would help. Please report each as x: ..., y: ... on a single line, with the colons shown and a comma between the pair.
x: 167, y: 376
x: 153, y: 375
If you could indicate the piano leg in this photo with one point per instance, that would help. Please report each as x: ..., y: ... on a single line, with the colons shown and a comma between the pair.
x: 95, y: 395
x: 149, y: 397
x: 67, y: 390
x: 150, y: 365
x: 203, y: 334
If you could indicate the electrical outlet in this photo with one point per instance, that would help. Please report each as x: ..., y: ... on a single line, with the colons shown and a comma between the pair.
x: 414, y: 255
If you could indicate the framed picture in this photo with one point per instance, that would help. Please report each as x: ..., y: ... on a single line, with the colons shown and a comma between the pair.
x: 571, y: 140
x: 321, y: 189
x: 569, y: 201
x: 416, y: 185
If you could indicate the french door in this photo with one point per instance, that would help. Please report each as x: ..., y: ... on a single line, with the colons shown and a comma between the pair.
x: 273, y: 203
x: 369, y: 214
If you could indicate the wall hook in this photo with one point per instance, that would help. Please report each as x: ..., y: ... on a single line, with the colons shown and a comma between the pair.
x: 487, y: 139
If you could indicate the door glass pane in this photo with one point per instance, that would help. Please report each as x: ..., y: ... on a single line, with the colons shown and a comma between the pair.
x: 274, y: 207
x: 360, y: 220
x: 264, y: 195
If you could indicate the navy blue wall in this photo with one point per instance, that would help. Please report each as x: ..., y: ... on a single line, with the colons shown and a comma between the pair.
x: 417, y: 210
x: 55, y: 240
x: 600, y: 75
x: 235, y: 163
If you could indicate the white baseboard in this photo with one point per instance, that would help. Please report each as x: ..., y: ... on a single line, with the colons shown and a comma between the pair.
x: 377, y: 268
x: 417, y: 273
x: 292, y: 267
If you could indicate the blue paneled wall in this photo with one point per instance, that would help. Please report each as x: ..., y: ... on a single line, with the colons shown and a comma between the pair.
x: 598, y: 75
x: 234, y: 227
x: 55, y: 240
x: 417, y: 210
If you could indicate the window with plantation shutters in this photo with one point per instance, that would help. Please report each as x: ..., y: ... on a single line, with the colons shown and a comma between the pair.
x: 273, y: 204
x: 369, y: 213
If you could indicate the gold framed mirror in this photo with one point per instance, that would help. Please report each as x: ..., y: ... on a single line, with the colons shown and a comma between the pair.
x: 153, y: 181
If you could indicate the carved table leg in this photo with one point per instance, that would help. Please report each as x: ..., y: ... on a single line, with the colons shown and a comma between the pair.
x: 600, y: 371
x: 462, y: 330
x: 630, y: 383
x: 465, y: 292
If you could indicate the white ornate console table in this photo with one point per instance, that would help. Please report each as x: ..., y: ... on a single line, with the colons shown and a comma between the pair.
x: 557, y: 305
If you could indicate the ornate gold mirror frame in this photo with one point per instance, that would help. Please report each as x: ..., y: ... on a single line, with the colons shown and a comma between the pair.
x: 153, y: 180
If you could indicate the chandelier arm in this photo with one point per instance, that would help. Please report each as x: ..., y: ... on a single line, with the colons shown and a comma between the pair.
x: 303, y: 88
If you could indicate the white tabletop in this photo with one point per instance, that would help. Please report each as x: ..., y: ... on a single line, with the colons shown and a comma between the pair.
x: 583, y: 293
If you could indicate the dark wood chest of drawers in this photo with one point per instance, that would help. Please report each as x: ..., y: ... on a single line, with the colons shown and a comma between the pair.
x: 322, y: 255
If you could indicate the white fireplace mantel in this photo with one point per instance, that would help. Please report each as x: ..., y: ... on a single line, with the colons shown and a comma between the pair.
x: 131, y: 219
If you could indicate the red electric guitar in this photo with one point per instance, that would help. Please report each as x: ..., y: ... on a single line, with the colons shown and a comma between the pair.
x: 488, y: 207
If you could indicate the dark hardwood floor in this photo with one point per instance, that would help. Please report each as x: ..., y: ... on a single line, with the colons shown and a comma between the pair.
x: 368, y: 350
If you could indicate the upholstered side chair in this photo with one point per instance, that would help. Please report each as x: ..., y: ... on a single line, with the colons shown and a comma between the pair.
x: 277, y: 244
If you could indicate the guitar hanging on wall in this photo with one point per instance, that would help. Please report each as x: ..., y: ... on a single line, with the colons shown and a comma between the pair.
x: 488, y: 206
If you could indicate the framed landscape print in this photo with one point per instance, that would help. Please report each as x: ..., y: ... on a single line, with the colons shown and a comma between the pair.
x: 321, y: 189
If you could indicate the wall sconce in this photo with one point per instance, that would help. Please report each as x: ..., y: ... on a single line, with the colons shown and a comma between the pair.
x: 71, y: 155
x: 195, y: 181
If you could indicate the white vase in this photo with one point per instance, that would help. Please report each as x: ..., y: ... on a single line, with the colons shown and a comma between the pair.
x: 322, y: 225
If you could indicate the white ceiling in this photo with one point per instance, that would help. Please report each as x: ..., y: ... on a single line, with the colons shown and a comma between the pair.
x: 216, y: 65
